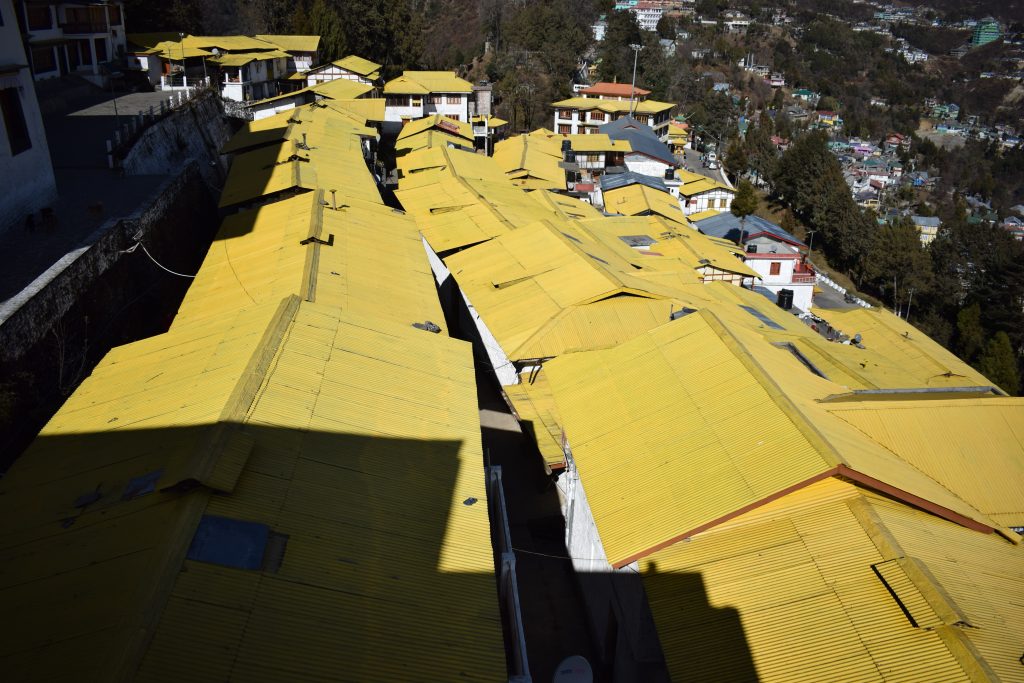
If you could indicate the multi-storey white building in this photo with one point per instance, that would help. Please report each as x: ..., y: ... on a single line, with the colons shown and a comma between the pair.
x: 774, y: 254
x: 606, y: 102
x: 352, y: 68
x: 71, y: 37
x: 26, y: 173
x: 416, y: 94
x: 648, y: 12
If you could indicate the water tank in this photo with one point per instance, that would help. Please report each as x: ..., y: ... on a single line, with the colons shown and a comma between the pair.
x: 785, y: 299
x: 573, y: 669
x: 670, y: 173
x: 566, y: 145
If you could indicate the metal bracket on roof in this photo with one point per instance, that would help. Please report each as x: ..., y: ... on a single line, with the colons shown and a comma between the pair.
x: 316, y: 240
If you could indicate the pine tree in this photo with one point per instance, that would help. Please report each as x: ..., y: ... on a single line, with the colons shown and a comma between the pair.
x: 969, y: 332
x: 999, y: 364
x: 743, y: 204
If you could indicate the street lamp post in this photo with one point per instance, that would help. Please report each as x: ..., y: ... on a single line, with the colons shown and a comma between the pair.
x: 632, y: 89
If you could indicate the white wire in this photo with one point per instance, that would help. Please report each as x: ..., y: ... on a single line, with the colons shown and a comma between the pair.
x: 172, y: 272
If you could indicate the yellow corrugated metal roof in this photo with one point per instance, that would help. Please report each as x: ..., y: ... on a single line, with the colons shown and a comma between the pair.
x: 454, y: 128
x: 789, y: 592
x: 641, y: 200
x: 423, y: 82
x: 535, y: 409
x: 671, y: 431
x: 975, y: 448
x: 614, y: 106
x: 87, y: 539
x: 175, y: 49
x: 333, y: 160
x: 492, y: 121
x: 701, y: 215
x: 322, y: 424
x: 267, y: 171
x: 242, y: 58
x: 386, y: 570
x: 360, y: 66
x: 689, y: 189
x: 228, y: 43
x: 341, y: 89
x: 257, y: 257
x: 598, y: 142
x: 906, y: 347
x: 532, y: 160
x: 426, y: 140
x: 292, y: 43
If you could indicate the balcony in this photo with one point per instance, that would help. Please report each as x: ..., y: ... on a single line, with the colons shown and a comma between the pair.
x: 84, y: 27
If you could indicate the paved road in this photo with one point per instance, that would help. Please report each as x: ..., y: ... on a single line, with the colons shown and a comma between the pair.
x: 89, y: 194
x: 692, y: 162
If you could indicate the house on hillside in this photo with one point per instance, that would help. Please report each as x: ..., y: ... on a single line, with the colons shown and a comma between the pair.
x: 350, y: 68
x: 647, y: 155
x: 928, y: 226
x: 606, y: 102
x: 63, y: 38
x: 416, y: 94
x: 698, y: 193
x: 776, y: 255
x: 246, y: 68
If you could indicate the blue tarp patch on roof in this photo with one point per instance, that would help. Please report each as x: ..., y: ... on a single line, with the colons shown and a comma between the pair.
x: 229, y: 542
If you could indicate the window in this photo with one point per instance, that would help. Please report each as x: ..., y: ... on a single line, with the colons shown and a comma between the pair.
x: 115, y: 15
x: 43, y: 60
x: 597, y: 116
x: 564, y: 114
x: 396, y: 101
x: 38, y: 17
x: 454, y: 117
x: 101, y: 49
x: 436, y: 99
x: 14, y: 121
x: 417, y: 101
x: 775, y: 268
x: 564, y: 129
x: 454, y: 99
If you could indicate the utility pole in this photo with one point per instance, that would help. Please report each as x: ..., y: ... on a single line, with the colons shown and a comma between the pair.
x: 632, y: 89
x: 810, y: 241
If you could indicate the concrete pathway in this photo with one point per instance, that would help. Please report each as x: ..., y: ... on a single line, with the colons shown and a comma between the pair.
x: 89, y: 193
x: 555, y: 621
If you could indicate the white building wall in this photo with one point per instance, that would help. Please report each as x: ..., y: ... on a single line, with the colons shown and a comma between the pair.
x: 718, y: 200
x: 802, y: 292
x: 645, y: 165
x: 269, y: 110
x: 27, y: 177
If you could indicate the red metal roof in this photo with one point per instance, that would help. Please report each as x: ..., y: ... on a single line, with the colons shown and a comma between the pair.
x: 614, y: 90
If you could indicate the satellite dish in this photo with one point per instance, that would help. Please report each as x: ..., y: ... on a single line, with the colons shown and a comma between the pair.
x: 574, y: 669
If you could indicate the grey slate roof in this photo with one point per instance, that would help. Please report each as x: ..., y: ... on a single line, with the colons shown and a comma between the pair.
x: 611, y: 181
x: 728, y: 226
x: 641, y: 138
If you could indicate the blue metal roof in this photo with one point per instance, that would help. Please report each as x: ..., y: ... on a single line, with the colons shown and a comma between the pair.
x: 728, y: 226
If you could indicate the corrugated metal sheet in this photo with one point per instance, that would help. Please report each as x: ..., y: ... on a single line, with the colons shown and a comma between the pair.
x: 423, y: 82
x: 535, y: 406
x: 670, y: 431
x: 976, y: 450
x: 794, y: 596
x: 640, y: 200
x: 379, y: 469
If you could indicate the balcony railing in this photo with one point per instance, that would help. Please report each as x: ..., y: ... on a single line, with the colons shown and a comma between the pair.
x: 85, y: 27
x: 804, y: 278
